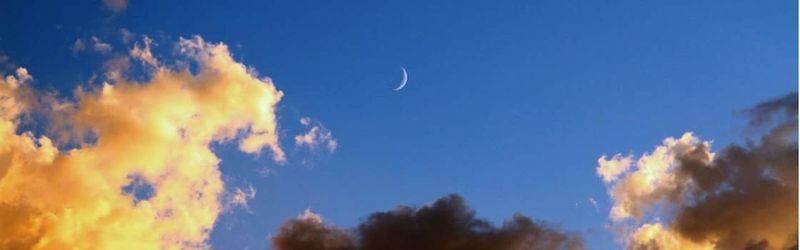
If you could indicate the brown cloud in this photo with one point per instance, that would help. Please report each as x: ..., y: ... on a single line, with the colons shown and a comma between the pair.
x: 744, y: 197
x: 446, y: 224
x: 142, y: 175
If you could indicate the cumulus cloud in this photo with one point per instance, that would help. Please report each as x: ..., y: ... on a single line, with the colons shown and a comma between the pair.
x: 116, y: 5
x: 446, y: 224
x: 143, y: 175
x: 610, y: 169
x: 744, y: 197
x: 307, y: 231
x: 316, y: 136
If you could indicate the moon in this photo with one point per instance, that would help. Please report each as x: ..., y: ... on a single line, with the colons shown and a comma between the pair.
x: 403, y: 82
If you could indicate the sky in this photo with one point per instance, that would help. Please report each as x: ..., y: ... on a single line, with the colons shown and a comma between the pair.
x: 508, y: 104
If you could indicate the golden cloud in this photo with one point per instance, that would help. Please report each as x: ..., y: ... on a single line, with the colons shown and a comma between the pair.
x: 153, y: 134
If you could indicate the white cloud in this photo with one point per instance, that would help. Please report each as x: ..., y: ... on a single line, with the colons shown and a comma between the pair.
x: 310, y: 216
x: 316, y: 136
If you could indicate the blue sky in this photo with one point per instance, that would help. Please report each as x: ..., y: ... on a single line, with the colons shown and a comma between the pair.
x: 508, y: 103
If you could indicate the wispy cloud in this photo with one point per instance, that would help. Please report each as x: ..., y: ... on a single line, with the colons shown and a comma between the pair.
x: 240, y: 197
x: 100, y: 46
x: 317, y: 135
x: 77, y: 46
x: 593, y: 202
x: 143, y: 52
x: 97, y: 45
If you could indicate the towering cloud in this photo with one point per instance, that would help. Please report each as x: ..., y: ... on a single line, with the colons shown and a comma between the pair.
x: 446, y: 224
x: 744, y: 197
x: 139, y: 172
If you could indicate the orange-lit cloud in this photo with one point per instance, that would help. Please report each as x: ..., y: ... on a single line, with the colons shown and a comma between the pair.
x: 132, y: 135
x: 744, y: 197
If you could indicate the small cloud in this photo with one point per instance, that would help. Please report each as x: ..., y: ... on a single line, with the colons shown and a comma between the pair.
x: 305, y: 121
x: 593, y: 202
x: 97, y: 44
x: 317, y: 136
x: 310, y: 216
x: 143, y: 53
x: 100, y: 46
x: 77, y: 46
x: 266, y: 172
x: 116, y: 5
x: 126, y: 35
x: 115, y: 67
x: 5, y: 63
x: 240, y: 197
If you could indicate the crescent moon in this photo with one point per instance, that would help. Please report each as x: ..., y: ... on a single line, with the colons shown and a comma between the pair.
x: 405, y: 79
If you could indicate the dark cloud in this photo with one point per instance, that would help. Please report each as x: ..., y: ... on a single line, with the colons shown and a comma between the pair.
x: 767, y: 111
x: 308, y: 233
x: 447, y: 224
x: 746, y: 198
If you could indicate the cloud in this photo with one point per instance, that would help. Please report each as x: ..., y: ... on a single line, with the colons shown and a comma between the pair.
x: 143, y: 53
x: 100, y: 46
x: 97, y: 46
x: 446, y: 224
x: 610, y: 169
x: 593, y: 202
x: 142, y: 174
x: 77, y: 46
x: 6, y: 65
x: 308, y: 232
x: 742, y: 197
x: 240, y: 197
x: 3, y: 58
x: 316, y: 136
x: 126, y: 36
x: 116, y: 5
